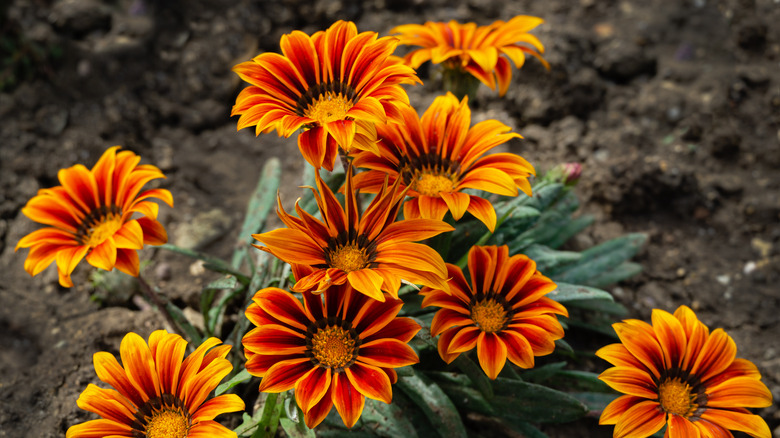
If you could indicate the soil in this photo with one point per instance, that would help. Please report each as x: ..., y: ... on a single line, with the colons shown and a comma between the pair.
x: 673, y: 108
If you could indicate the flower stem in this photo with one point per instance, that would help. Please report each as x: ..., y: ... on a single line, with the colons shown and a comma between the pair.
x: 158, y: 301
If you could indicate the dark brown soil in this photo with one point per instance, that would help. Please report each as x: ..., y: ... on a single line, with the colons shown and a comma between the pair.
x: 673, y: 107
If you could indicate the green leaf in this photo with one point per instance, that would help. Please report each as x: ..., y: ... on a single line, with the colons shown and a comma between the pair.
x: 260, y: 205
x: 439, y: 409
x: 467, y: 398
x: 238, y: 379
x: 566, y: 292
x: 191, y: 333
x: 602, y: 258
x: 296, y: 429
x: 536, y: 403
x: 548, y: 259
x: 540, y: 374
x: 525, y: 428
x: 595, y: 401
x: 269, y: 421
x: 622, y: 272
x: 475, y: 374
x: 570, y: 230
x: 387, y: 420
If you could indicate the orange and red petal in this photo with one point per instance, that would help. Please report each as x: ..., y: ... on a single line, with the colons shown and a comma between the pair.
x: 67, y: 259
x: 107, y: 403
x: 643, y: 419
x: 483, y: 210
x: 219, y: 405
x: 464, y: 340
x: 742, y: 391
x: 103, y: 256
x: 276, y: 338
x: 99, y: 429
x: 127, y: 261
x: 154, y: 231
x: 491, y: 351
x: 630, y: 381
x: 617, y: 407
x: 209, y: 429
x: 139, y: 366
x: 751, y: 424
x: 387, y: 353
x: 368, y: 282
x: 282, y: 306
x: 519, y: 351
x: 445, y: 319
x: 292, y: 246
x: 370, y: 381
x: 312, y: 387
x: 639, y: 339
x: 283, y: 375
x: 347, y: 399
x: 717, y: 353
x: 109, y: 371
x: 445, y: 339
x: 402, y: 329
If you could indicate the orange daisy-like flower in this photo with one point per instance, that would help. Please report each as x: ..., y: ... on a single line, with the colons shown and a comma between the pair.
x: 372, y: 252
x: 676, y: 373
x: 334, y: 84
x: 333, y: 351
x: 159, y: 393
x: 503, y: 313
x: 472, y: 49
x: 439, y: 155
x: 93, y: 214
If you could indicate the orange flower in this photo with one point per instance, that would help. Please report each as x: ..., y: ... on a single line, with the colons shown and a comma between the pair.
x: 372, y: 252
x: 334, y: 84
x: 440, y: 155
x: 503, y: 313
x: 91, y: 214
x: 336, y: 352
x: 474, y: 50
x: 676, y: 373
x: 159, y: 393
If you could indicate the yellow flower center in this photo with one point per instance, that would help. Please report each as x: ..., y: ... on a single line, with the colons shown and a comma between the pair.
x: 333, y: 347
x: 99, y: 225
x: 432, y: 183
x: 489, y: 315
x: 329, y: 107
x: 167, y: 424
x: 676, y: 398
x: 348, y: 258
x: 103, y: 230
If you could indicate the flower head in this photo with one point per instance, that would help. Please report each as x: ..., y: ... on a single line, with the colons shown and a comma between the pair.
x: 158, y: 393
x: 373, y: 252
x: 474, y: 50
x: 439, y: 155
x: 93, y: 214
x: 334, y: 85
x: 335, y: 350
x: 675, y: 372
x: 503, y: 312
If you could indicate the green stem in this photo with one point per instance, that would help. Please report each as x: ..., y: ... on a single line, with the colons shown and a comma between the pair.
x: 460, y: 83
x: 159, y: 302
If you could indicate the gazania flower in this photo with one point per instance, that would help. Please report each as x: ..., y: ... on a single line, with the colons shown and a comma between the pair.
x: 474, y: 50
x: 503, y: 312
x: 335, y: 351
x: 334, y: 85
x: 94, y: 213
x: 676, y: 373
x: 158, y: 393
x: 438, y: 156
x: 372, y: 252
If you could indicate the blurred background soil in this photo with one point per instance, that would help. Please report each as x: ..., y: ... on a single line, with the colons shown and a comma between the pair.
x: 672, y: 107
